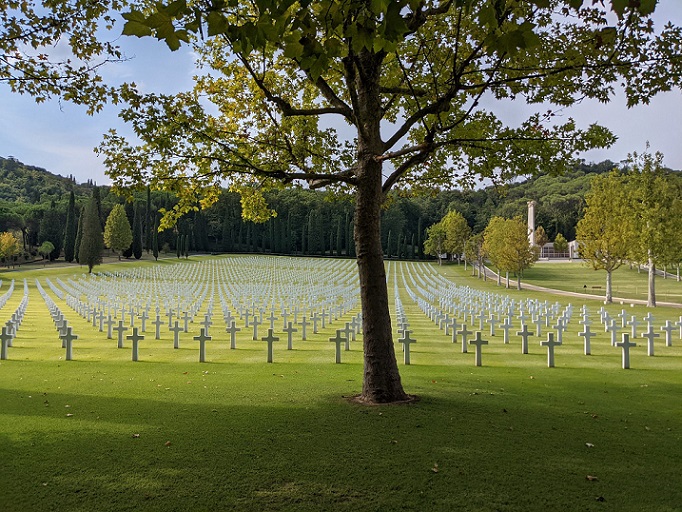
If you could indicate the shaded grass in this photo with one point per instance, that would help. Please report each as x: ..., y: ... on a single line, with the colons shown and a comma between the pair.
x: 245, y: 435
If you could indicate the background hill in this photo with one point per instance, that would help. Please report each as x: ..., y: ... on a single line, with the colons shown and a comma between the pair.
x: 33, y: 201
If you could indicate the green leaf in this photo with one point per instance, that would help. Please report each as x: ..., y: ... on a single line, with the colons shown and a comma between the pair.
x: 173, y: 42
x: 217, y: 23
x: 135, y: 28
x: 176, y: 8
x: 134, y: 16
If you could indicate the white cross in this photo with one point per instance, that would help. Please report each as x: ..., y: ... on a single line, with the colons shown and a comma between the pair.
x: 479, y: 342
x: 135, y: 338
x: 406, y: 341
x: 464, y: 333
x: 550, y: 344
x: 270, y: 339
x: 625, y: 345
x: 202, y: 339
x: 338, y: 339
x: 176, y: 330
x: 524, y: 333
x: 587, y: 334
x: 233, y: 332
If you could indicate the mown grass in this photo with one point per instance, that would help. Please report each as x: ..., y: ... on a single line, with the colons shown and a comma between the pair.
x: 169, y: 433
x: 627, y: 283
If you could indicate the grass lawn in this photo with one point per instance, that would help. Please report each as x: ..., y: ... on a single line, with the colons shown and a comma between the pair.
x: 169, y: 433
x: 576, y: 277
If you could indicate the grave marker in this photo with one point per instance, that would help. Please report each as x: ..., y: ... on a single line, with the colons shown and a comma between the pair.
x: 550, y: 344
x: 406, y: 342
x: 202, y: 339
x: 270, y: 339
x: 338, y: 339
x: 479, y: 342
x: 135, y: 338
x: 625, y: 345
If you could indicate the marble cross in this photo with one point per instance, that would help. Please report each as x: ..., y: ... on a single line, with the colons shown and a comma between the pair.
x: 478, y: 342
x: 406, y: 342
x: 202, y: 339
x: 135, y: 338
x: 625, y: 345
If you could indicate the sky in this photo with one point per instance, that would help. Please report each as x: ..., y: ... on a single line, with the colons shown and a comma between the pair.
x: 60, y: 136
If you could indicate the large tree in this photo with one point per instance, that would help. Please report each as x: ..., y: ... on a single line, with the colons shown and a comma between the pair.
x: 416, y: 81
x: 604, y: 233
x: 656, y: 212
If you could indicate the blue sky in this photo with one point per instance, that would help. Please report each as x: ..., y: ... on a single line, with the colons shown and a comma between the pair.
x: 61, y: 137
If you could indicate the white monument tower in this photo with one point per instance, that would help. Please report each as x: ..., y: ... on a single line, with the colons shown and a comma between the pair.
x: 531, y: 223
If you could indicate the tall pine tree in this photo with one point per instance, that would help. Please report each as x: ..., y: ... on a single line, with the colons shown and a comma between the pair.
x: 79, y: 236
x: 137, y: 231
x: 92, y: 241
x: 70, y: 229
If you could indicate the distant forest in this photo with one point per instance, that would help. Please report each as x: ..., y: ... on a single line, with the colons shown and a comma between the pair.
x: 34, y: 202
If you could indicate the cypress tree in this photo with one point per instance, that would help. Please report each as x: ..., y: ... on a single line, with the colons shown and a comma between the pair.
x: 98, y: 200
x: 70, y: 229
x: 155, y: 239
x: 79, y: 236
x: 148, y: 224
x: 137, y: 232
x: 185, y: 245
x: 92, y: 242
x: 339, y: 239
x: 178, y: 246
x: 130, y: 214
x: 51, y: 231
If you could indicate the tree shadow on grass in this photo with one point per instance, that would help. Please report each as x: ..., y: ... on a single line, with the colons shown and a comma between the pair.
x: 460, y: 452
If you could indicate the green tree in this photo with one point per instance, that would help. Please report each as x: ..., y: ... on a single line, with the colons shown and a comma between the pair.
x: 92, y: 242
x: 137, y: 231
x: 436, y: 237
x: 506, y: 244
x: 79, y: 236
x: 46, y: 249
x: 494, y: 244
x: 605, y: 232
x: 371, y: 64
x: 117, y: 233
x: 560, y: 244
x: 475, y: 253
x: 541, y: 238
x: 656, y: 207
x: 457, y: 232
x: 155, y: 239
x: 51, y: 230
x: 70, y: 229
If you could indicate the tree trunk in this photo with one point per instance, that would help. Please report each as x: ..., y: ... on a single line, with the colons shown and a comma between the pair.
x: 381, y: 379
x: 507, y: 279
x: 609, y: 294
x: 651, y: 292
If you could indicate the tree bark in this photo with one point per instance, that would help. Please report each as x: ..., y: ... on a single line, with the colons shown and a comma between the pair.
x: 381, y: 379
x: 651, y: 292
x: 609, y: 294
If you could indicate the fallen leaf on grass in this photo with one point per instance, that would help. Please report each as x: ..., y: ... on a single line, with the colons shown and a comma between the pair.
x: 168, y: 443
x: 434, y: 469
x: 591, y: 478
x: 136, y: 436
x: 69, y: 415
x: 589, y: 445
